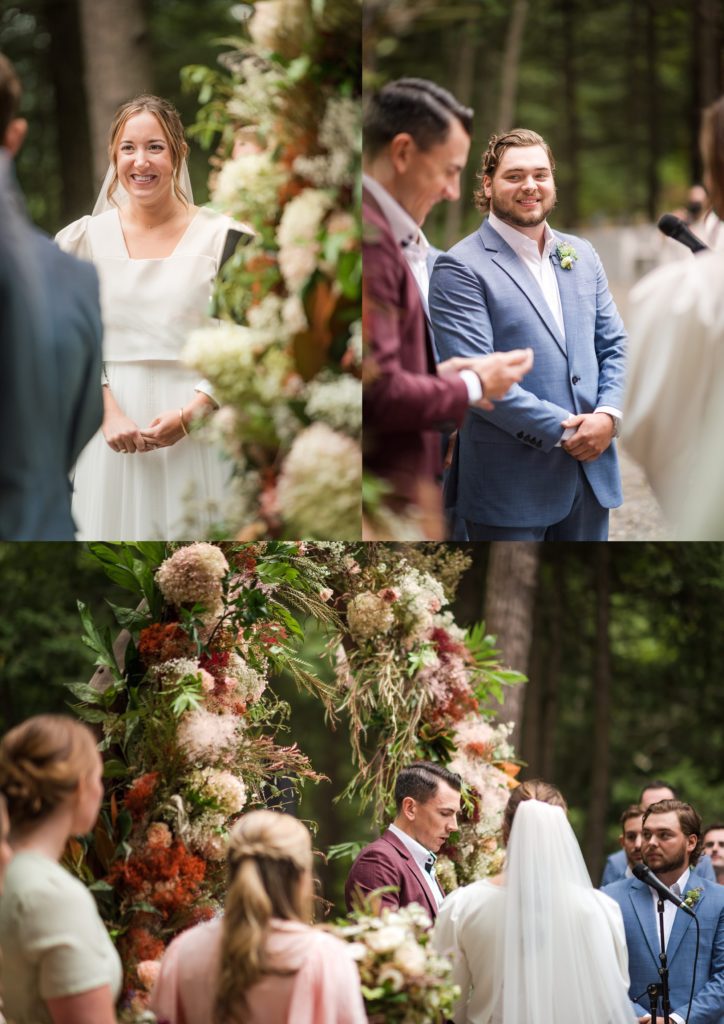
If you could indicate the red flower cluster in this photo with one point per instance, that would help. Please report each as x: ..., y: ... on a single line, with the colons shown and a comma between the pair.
x: 167, y: 877
x: 444, y: 643
x: 244, y: 561
x: 139, y: 944
x: 158, y: 643
x: 270, y: 633
x: 138, y: 797
x: 215, y: 663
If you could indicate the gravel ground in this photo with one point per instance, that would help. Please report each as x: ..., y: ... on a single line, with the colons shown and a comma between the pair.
x: 639, y: 518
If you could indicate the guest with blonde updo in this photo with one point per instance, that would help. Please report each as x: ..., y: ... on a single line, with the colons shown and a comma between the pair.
x: 59, y: 965
x: 268, y: 964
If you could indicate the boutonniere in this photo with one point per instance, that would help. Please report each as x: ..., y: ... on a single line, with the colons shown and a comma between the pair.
x: 692, y: 897
x: 566, y: 254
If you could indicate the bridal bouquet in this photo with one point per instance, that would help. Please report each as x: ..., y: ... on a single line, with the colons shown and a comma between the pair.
x: 402, y: 978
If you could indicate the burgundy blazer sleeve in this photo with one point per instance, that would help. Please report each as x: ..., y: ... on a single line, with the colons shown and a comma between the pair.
x: 405, y: 392
x: 373, y: 869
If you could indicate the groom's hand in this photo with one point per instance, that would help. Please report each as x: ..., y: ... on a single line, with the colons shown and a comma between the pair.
x: 594, y: 433
x: 499, y: 371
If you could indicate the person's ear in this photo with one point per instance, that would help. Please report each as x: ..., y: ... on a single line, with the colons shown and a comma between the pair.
x: 15, y: 135
x: 402, y: 151
x: 409, y: 806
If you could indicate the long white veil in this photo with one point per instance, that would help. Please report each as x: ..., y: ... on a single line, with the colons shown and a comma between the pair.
x: 120, y: 196
x: 564, y: 959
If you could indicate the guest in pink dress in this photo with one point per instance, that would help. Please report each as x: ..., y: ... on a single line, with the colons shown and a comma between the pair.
x: 261, y: 963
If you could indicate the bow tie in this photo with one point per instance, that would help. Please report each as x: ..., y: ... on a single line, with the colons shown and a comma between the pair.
x: 430, y: 864
x: 414, y: 251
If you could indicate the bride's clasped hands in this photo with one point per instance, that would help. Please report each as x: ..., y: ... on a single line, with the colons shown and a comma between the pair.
x: 123, y: 435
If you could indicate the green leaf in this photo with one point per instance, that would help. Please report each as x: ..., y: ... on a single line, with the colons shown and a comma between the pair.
x: 128, y: 618
x: 85, y: 692
x: 115, y: 769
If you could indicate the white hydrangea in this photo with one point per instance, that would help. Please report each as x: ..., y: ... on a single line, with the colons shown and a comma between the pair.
x: 297, y: 236
x: 340, y: 135
x: 207, y: 836
x: 225, y: 789
x: 227, y: 354
x: 320, y: 484
x: 337, y: 401
x: 247, y: 184
x: 249, y: 684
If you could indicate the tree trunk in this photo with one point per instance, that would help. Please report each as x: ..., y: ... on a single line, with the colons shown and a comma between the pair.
x: 600, y: 758
x: 118, y: 66
x: 463, y: 56
x: 705, y: 70
x: 511, y: 66
x: 531, y: 737
x: 509, y: 600
x: 549, y: 703
x: 65, y: 58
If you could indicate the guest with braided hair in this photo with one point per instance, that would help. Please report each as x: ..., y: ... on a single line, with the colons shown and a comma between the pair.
x: 268, y: 963
x: 59, y: 965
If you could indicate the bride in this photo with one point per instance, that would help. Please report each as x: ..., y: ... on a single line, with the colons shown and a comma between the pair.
x: 538, y: 943
x: 157, y: 256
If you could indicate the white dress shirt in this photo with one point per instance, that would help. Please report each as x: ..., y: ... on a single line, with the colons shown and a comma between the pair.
x: 421, y: 856
x: 540, y: 266
x: 415, y: 249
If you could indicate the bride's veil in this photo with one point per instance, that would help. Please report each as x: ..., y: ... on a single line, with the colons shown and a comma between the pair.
x: 561, y: 962
x: 120, y: 196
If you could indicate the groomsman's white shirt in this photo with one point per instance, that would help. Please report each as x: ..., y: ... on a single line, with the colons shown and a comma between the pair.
x: 420, y: 856
x: 415, y: 248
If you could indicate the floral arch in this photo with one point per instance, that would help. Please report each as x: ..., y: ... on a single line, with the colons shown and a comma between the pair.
x: 193, y: 733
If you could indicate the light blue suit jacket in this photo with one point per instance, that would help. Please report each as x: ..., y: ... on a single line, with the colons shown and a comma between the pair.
x: 641, y: 924
x: 483, y: 298
x: 615, y: 868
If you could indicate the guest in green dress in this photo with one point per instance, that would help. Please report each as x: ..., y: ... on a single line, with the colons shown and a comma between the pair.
x: 59, y: 965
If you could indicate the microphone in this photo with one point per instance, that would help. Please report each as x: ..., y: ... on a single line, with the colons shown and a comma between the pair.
x: 646, y: 875
x: 674, y: 227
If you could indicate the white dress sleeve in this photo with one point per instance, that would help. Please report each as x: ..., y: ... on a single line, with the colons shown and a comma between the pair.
x: 74, y: 239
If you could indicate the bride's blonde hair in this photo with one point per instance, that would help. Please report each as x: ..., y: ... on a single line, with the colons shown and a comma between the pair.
x: 269, y: 854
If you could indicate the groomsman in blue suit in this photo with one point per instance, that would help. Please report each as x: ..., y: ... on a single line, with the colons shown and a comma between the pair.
x: 671, y: 846
x: 541, y: 464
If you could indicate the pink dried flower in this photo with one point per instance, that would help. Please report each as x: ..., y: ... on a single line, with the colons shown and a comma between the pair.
x: 193, y: 574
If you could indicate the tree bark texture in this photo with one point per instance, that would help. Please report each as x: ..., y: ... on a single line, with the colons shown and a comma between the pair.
x: 600, y: 747
x: 117, y: 66
x: 509, y: 601
x: 511, y: 66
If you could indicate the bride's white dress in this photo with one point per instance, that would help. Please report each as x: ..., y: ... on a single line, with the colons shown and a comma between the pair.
x: 149, y: 307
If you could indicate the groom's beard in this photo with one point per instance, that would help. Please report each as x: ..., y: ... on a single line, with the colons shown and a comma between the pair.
x: 510, y: 212
x: 661, y: 866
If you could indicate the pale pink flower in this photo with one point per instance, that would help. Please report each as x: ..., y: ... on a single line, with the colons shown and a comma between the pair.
x: 205, y: 737
x: 158, y: 836
x: 193, y: 574
x: 148, y: 971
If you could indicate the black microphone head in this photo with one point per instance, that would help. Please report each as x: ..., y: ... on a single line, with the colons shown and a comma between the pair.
x: 641, y: 871
x: 669, y: 223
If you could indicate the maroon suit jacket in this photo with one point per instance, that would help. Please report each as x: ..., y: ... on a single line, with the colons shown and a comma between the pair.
x: 406, y: 403
x: 387, y: 861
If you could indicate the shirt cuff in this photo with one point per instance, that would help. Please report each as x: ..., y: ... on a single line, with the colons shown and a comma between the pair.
x: 472, y: 383
x: 676, y: 1018
x: 206, y: 389
x: 615, y: 415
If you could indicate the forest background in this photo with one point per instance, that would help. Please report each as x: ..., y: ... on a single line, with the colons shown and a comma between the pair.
x: 622, y: 645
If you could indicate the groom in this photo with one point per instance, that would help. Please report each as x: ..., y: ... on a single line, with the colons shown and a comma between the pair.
x: 541, y: 464
x: 427, y: 797
x: 671, y: 846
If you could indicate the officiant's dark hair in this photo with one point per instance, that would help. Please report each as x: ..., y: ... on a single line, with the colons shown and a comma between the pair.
x: 10, y: 94
x: 689, y: 820
x: 417, y: 106
x: 497, y: 146
x: 420, y: 781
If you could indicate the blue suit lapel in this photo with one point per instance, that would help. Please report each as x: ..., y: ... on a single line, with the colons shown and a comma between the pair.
x: 507, y: 260
x: 643, y: 906
x: 567, y: 287
x: 681, y: 924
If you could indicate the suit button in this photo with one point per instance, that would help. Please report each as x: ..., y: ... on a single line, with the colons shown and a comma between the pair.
x: 575, y: 380
x: 519, y: 435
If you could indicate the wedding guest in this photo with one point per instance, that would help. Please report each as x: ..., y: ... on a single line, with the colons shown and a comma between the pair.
x: 263, y: 962
x: 427, y: 798
x: 416, y: 143
x: 676, y: 362
x: 714, y: 847
x: 537, y: 943
x: 617, y: 863
x: 671, y: 845
x: 59, y: 965
x: 541, y: 464
x: 630, y: 840
x: 50, y: 355
x: 157, y: 256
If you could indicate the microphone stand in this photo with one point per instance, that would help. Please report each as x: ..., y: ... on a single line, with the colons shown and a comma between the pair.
x: 662, y: 988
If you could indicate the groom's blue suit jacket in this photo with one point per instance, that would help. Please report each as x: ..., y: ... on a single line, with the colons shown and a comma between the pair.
x: 484, y: 299
x: 641, y: 924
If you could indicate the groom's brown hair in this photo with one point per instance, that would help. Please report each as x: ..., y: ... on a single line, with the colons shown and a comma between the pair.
x: 497, y: 145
